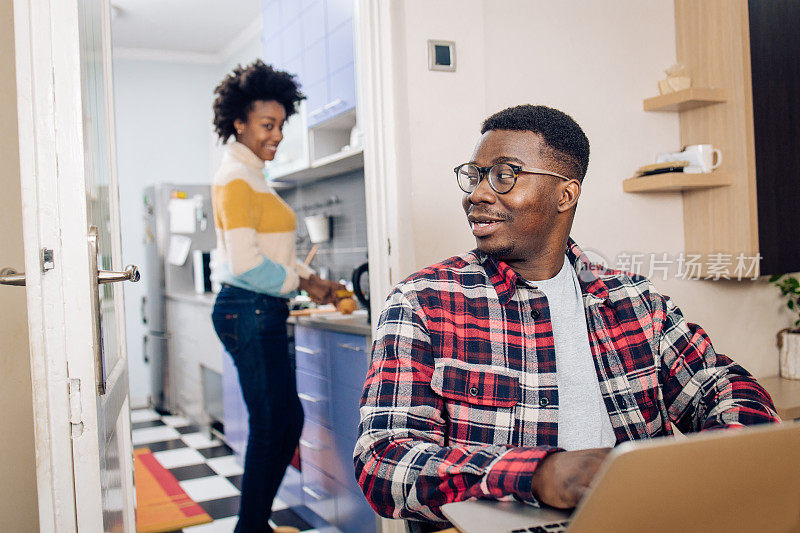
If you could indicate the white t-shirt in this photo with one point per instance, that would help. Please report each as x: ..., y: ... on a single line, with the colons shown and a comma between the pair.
x: 583, y: 420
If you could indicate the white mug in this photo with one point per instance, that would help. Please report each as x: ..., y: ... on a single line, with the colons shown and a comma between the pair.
x: 701, y: 157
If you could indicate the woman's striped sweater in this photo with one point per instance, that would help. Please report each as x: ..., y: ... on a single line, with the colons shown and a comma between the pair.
x: 255, y: 228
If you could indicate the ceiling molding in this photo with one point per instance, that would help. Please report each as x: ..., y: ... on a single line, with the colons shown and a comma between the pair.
x: 168, y: 56
x: 181, y: 56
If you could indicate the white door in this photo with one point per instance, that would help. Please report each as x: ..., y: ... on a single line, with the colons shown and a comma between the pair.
x: 79, y: 370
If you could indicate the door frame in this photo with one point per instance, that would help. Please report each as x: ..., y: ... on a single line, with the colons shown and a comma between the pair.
x: 375, y: 71
x: 376, y: 58
x: 52, y: 166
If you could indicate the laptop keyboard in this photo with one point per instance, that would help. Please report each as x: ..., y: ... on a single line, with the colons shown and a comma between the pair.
x: 555, y: 527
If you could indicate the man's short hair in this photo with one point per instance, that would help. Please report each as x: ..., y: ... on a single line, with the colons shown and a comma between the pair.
x: 566, y: 140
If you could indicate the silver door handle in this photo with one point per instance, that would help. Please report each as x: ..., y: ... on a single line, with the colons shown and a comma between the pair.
x: 311, y: 446
x: 349, y: 347
x: 131, y: 273
x: 303, y: 349
x: 9, y: 276
x: 103, y: 276
x: 308, y: 397
x: 311, y: 492
x: 331, y: 105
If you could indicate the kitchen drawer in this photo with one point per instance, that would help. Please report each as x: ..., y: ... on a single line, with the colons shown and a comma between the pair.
x: 312, y: 383
x: 236, y: 423
x: 312, y: 338
x: 345, y: 398
x: 344, y: 417
x: 310, y: 351
x: 349, y: 360
x: 354, y: 515
x: 314, y: 395
x: 345, y: 403
x: 329, y: 452
x: 343, y: 447
x: 290, y: 491
x: 317, y: 449
x: 319, y: 493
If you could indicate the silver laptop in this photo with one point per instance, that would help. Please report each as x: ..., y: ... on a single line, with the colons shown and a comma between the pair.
x: 718, y: 481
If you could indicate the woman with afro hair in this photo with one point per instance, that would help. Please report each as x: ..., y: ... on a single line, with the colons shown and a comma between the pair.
x: 259, y: 272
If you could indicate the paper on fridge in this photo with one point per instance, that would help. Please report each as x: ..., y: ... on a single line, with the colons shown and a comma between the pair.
x: 182, y: 215
x: 179, y: 246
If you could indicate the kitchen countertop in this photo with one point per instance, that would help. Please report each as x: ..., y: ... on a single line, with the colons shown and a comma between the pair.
x: 355, y: 324
x: 193, y: 298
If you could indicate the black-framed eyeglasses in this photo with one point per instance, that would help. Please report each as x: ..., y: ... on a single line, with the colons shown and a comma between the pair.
x: 502, y: 176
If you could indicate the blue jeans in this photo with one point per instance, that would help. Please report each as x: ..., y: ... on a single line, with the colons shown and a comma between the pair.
x: 252, y: 327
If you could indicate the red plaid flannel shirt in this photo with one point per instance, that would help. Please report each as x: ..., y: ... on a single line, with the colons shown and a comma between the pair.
x: 461, y: 399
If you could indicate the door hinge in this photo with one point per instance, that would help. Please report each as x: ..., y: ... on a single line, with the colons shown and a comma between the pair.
x: 389, y: 246
x: 48, y: 263
x: 75, y: 409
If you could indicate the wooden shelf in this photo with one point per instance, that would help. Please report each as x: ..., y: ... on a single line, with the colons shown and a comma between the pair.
x: 675, y: 181
x: 686, y: 99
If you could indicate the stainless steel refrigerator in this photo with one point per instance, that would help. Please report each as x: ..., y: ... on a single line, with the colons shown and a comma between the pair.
x: 178, y: 224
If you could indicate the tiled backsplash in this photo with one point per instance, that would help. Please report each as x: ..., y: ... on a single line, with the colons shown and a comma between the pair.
x: 343, y: 199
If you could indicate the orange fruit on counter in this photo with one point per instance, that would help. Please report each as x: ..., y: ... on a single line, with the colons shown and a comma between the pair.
x: 346, y: 306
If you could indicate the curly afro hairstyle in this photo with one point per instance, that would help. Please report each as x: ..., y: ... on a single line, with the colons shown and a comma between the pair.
x: 257, y: 81
x: 566, y: 142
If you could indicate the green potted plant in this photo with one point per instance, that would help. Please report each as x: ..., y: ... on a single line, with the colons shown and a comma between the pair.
x: 789, y: 338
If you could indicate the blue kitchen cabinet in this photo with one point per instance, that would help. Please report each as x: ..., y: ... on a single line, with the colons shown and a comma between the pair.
x: 235, y: 423
x: 340, y: 46
x: 271, y: 19
x: 313, y: 23
x: 337, y: 12
x: 331, y: 371
x: 290, y: 10
x: 314, y: 40
x: 341, y: 59
x: 292, y: 38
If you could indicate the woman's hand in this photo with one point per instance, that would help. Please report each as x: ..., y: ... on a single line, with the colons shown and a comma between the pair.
x: 321, y: 291
x: 318, y: 289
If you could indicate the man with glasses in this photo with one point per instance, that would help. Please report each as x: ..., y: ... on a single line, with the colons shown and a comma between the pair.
x: 510, y: 371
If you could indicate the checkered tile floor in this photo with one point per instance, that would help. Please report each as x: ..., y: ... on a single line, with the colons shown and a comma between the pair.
x: 205, y: 468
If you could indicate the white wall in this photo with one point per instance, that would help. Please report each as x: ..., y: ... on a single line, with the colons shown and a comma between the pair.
x: 596, y: 61
x: 164, y: 135
x: 248, y: 53
x: 445, y: 110
x: 163, y: 120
